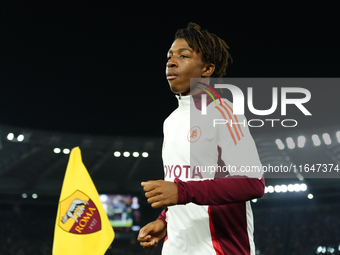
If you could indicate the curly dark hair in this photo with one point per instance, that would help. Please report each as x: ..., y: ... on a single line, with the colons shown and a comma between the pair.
x: 214, y: 49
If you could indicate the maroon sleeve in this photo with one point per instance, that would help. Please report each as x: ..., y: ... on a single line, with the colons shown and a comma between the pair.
x: 162, y: 216
x: 221, y: 191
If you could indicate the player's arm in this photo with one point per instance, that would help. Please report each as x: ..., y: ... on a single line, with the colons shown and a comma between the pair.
x: 227, y: 190
x: 208, y: 192
x: 161, y: 193
x: 151, y: 233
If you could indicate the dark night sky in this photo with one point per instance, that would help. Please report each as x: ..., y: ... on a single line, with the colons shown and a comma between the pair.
x: 100, y: 68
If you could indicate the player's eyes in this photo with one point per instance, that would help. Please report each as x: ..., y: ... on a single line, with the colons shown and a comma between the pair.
x: 181, y: 56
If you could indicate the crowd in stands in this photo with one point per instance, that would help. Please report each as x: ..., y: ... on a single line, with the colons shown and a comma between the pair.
x: 297, y: 230
x: 293, y: 230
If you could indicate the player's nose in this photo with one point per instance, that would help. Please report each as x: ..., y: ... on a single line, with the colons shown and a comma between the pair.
x: 171, y: 62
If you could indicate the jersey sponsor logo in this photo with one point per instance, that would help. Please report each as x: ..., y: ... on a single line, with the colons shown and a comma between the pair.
x: 182, y: 172
x: 185, y: 172
x: 194, y: 134
x: 79, y: 215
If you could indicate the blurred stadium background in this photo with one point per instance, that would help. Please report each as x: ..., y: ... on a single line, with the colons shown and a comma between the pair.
x: 295, y: 216
x: 92, y: 75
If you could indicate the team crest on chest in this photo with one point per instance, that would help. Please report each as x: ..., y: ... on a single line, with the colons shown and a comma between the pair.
x: 194, y: 134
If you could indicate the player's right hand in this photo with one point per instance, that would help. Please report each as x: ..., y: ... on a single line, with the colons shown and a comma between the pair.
x: 150, y: 234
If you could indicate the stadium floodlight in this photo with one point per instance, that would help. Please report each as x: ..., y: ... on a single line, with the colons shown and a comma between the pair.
x: 338, y: 136
x: 135, y: 154
x: 103, y: 198
x: 290, y: 143
x: 326, y: 138
x: 291, y: 188
x: 319, y: 250
x: 10, y: 136
x: 277, y: 188
x: 126, y: 154
x: 284, y: 188
x: 145, y: 154
x: 301, y: 141
x: 24, y: 195
x: 330, y: 250
x: 34, y: 195
x: 316, y: 140
x: 303, y: 187
x: 20, y: 138
x: 56, y: 150
x: 297, y: 187
x: 66, y: 151
x: 310, y: 196
x: 117, y: 154
x: 270, y: 189
x: 280, y: 144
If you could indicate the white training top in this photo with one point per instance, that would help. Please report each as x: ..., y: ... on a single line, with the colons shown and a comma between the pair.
x: 210, y: 147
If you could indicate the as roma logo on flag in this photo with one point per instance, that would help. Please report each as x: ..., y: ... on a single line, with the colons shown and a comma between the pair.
x: 82, y: 225
x: 79, y: 215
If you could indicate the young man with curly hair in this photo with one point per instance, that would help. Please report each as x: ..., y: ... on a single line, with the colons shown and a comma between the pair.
x: 205, y: 214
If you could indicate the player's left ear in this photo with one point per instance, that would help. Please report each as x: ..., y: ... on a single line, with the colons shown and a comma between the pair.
x: 208, y: 70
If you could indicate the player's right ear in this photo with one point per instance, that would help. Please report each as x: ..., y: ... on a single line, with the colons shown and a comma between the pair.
x: 208, y: 70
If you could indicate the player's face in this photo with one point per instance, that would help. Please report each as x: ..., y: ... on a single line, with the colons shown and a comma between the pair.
x: 183, y: 63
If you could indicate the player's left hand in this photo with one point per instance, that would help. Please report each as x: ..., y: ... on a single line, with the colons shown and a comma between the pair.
x: 160, y: 193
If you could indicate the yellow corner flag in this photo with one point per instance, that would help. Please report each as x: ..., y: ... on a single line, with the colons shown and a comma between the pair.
x: 82, y: 226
